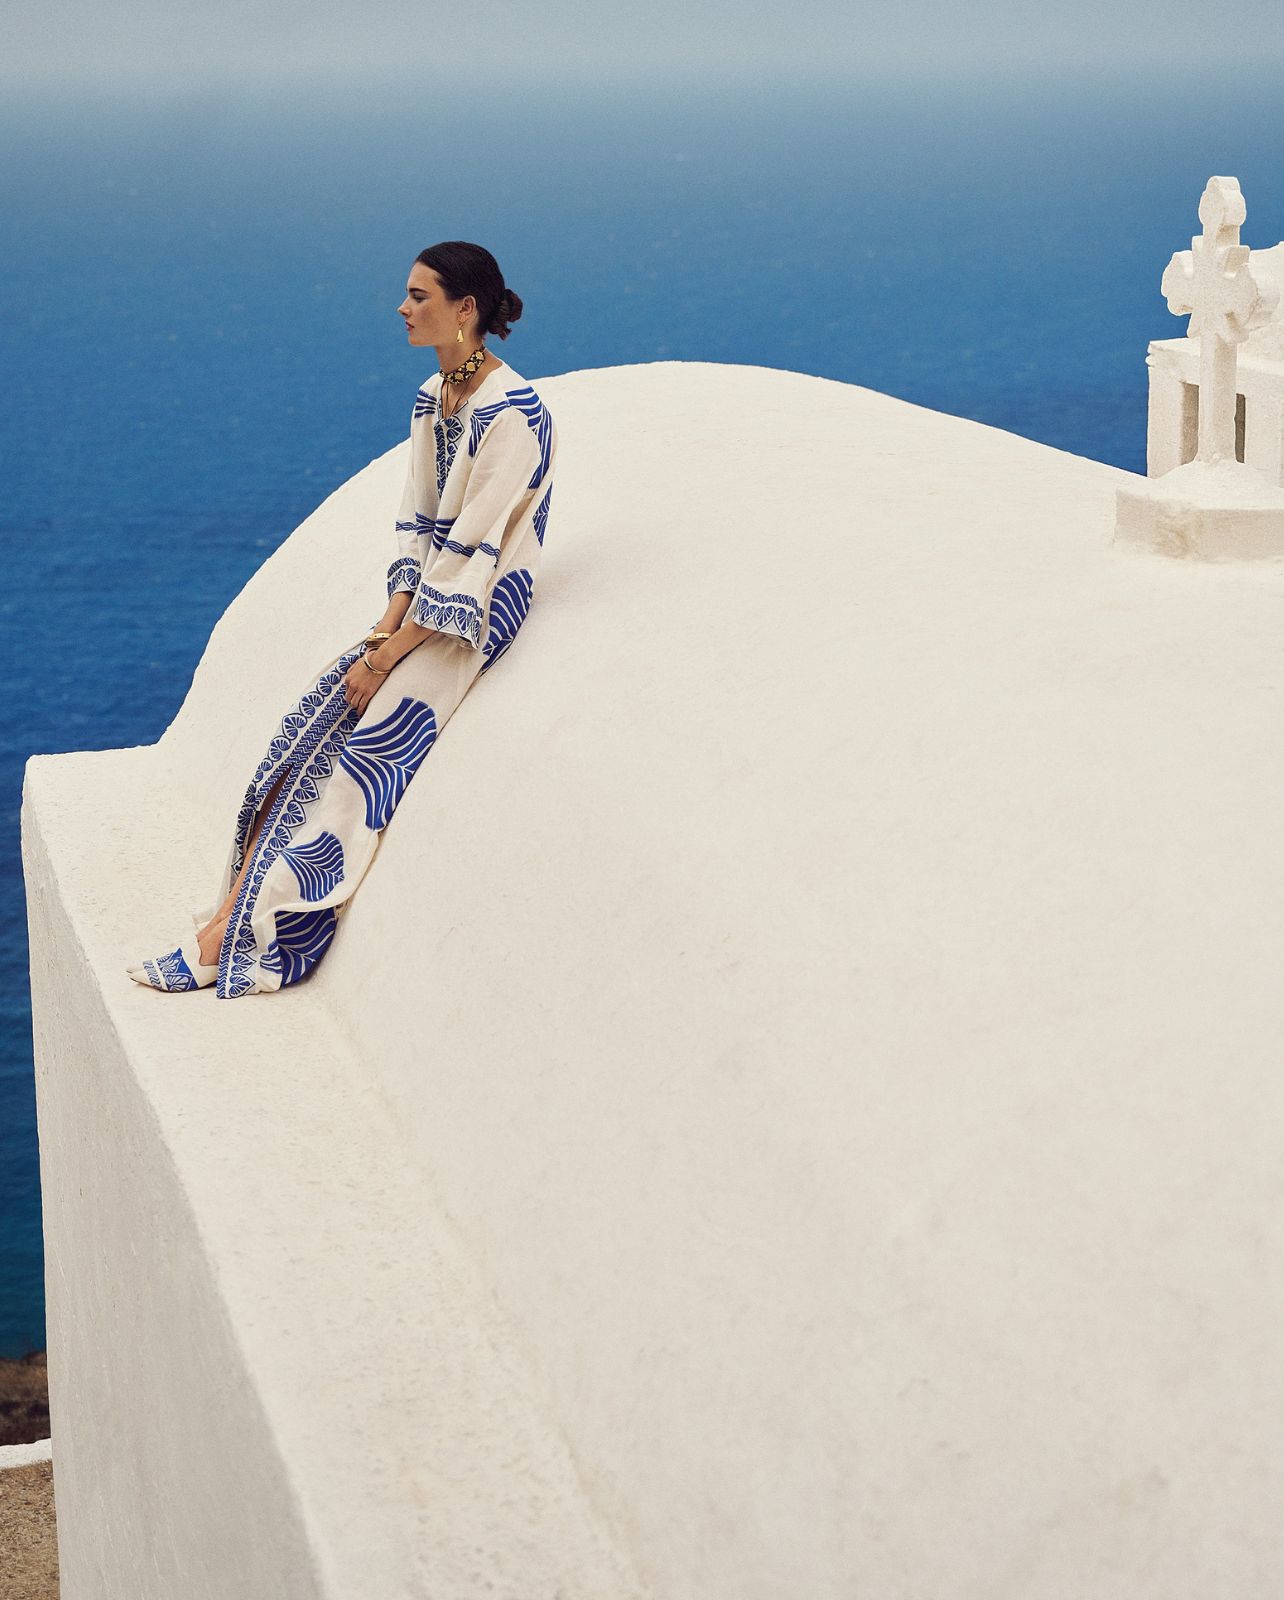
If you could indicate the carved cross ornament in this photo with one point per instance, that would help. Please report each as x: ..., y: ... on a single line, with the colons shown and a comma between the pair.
x: 1213, y: 284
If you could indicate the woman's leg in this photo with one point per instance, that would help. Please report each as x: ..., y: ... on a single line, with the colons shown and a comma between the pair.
x: 210, y: 937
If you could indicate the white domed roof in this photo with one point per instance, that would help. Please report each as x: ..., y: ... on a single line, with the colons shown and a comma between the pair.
x: 845, y: 1037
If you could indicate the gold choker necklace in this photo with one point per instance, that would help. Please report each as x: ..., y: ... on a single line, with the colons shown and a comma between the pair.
x: 465, y: 370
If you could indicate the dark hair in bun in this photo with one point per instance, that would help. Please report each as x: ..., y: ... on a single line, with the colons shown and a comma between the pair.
x: 468, y: 269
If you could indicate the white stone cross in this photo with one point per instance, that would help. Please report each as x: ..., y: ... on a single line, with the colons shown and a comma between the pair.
x: 1212, y: 281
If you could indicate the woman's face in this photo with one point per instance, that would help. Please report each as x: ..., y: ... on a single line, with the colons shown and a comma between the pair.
x: 430, y: 318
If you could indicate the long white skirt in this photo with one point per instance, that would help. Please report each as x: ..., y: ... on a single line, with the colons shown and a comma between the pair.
x: 343, y: 775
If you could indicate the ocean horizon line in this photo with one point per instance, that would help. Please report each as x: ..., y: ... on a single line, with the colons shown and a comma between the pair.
x: 1004, y: 78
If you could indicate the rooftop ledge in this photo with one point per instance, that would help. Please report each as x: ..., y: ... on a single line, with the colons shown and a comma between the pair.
x: 819, y: 1132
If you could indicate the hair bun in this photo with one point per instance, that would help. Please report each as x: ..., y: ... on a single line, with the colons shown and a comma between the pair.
x: 507, y: 309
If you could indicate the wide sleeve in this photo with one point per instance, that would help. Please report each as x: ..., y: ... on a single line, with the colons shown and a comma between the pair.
x: 403, y: 574
x: 455, y: 589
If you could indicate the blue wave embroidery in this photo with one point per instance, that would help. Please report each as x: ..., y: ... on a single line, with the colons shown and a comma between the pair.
x: 510, y: 601
x: 382, y: 759
x: 437, y: 533
x: 471, y: 549
x: 317, y: 865
x: 434, y: 530
x: 541, y: 514
x: 538, y: 420
x: 302, y: 938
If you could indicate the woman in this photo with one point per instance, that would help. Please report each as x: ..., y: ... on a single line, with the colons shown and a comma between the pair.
x: 470, y: 531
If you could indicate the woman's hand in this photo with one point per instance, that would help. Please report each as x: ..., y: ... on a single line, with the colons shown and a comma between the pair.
x: 360, y: 683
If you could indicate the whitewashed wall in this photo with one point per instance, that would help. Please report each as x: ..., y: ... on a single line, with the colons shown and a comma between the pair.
x: 818, y: 1135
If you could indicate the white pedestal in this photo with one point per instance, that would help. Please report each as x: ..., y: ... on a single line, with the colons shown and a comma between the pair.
x: 1204, y: 511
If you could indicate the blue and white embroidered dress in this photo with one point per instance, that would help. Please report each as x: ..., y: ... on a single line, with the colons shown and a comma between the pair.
x: 470, y: 530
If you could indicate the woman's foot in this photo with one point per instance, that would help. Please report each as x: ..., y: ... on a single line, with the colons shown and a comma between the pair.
x: 209, y: 939
x: 176, y: 971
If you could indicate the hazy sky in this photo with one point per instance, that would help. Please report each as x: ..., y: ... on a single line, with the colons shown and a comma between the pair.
x: 98, y: 43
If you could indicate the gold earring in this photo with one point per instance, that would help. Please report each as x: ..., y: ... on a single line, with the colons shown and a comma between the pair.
x: 459, y: 335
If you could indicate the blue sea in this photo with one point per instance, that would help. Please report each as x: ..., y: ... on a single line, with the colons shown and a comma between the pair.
x: 199, y: 339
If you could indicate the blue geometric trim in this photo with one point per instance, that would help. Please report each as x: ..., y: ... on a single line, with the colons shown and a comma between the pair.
x: 295, y: 734
x: 319, y: 865
x: 434, y: 530
x: 425, y: 404
x: 538, y: 420
x: 449, y: 431
x: 481, y: 420
x: 541, y: 514
x: 176, y: 972
x: 305, y: 751
x: 403, y: 574
x: 170, y: 972
x: 455, y: 613
x: 469, y: 549
x: 301, y: 939
x: 382, y: 759
x: 509, y: 603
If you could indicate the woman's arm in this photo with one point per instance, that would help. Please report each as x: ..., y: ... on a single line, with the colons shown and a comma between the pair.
x: 405, y: 636
x: 359, y: 685
x: 394, y: 616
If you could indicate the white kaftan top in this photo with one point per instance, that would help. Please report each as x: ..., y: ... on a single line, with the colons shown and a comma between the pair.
x: 474, y: 507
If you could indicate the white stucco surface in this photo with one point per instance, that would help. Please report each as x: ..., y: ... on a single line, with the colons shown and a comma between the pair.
x: 839, y: 1157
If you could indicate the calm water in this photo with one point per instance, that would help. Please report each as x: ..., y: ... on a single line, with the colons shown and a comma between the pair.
x: 199, y: 340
